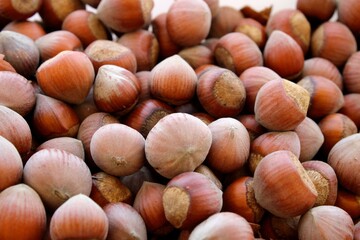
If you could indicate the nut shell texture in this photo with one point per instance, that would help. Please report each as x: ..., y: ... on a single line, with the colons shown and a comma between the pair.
x: 22, y: 215
x: 68, y: 76
x: 326, y: 222
x: 344, y: 157
x: 118, y: 149
x: 282, y: 186
x: 178, y: 143
x: 281, y: 105
x: 57, y: 175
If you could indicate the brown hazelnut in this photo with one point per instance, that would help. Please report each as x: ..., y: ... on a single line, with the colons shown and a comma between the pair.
x: 145, y: 47
x: 282, y: 185
x: 237, y: 52
x: 220, y: 92
x: 320, y: 90
x: 283, y: 55
x: 281, y: 105
x: 335, y: 127
x: 184, y: 17
x: 292, y: 22
x: 86, y: 26
x: 333, y: 41
x: 224, y: 22
x: 135, y: 14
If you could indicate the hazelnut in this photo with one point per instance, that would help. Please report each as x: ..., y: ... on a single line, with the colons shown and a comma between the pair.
x: 118, y: 149
x: 333, y: 41
x: 253, y: 79
x: 69, y: 144
x: 348, y: 14
x: 283, y: 55
x: 282, y: 185
x: 135, y: 14
x: 252, y: 126
x: 229, y: 134
x: 292, y: 22
x: 351, y: 107
x: 173, y: 81
x: 54, y: 118
x: 17, y: 46
x: 23, y: 213
x: 351, y: 73
x: 5, y: 65
x: 197, y: 56
x: 167, y: 47
x: 344, y: 158
x: 86, y: 26
x: 273, y: 227
x: 124, y: 222
x: 107, y: 189
x: 322, y: 67
x: 53, y: 43
x: 57, y: 175
x: 320, y: 88
x: 281, y: 105
x: 239, y: 198
x: 270, y: 142
x: 145, y: 47
x: 253, y: 29
x: 146, y: 114
x: 13, y: 84
x: 148, y: 202
x: 104, y: 52
x: 11, y: 164
x: 87, y: 129
x: 224, y: 22
x: 311, y: 139
x: 226, y: 225
x: 67, y: 77
x: 15, y: 129
x: 184, y: 17
x: 79, y: 217
x: 32, y: 29
x: 349, y: 202
x: 53, y: 12
x: 19, y: 10
x: 189, y: 198
x: 220, y: 92
x: 312, y: 223
x: 335, y: 127
x: 116, y: 90
x: 237, y: 52
x: 324, y: 178
x: 317, y: 12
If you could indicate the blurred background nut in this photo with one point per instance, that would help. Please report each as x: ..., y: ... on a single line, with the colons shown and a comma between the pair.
x: 292, y: 22
x: 52, y: 43
x: 135, y: 14
x: 145, y: 47
x: 86, y: 26
x: 20, y: 51
x: 184, y: 17
x: 102, y: 52
x: 333, y: 41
